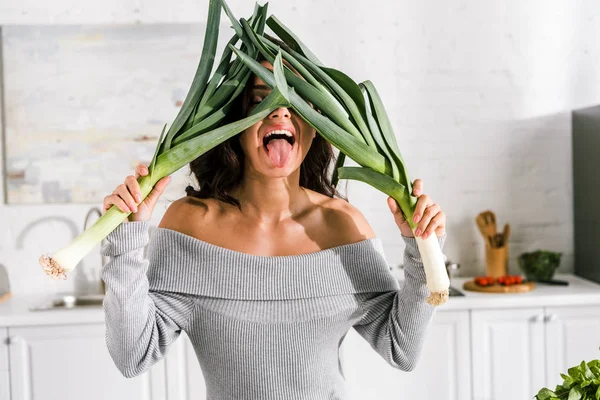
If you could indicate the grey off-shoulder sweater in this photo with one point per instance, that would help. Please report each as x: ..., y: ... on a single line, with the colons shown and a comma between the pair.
x: 263, y: 328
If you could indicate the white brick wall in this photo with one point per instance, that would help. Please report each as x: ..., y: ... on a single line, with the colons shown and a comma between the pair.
x: 480, y: 94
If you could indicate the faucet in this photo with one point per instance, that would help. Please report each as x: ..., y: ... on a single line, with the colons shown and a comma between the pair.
x: 104, y: 259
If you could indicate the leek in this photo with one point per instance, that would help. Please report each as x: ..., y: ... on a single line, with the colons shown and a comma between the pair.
x: 381, y: 164
x: 350, y: 116
x: 173, y: 153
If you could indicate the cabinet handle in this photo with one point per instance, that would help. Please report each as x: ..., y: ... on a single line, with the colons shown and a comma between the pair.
x: 551, y: 317
x: 537, y: 318
x: 12, y: 340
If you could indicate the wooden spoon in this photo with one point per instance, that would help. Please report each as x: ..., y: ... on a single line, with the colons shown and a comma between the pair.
x: 490, y: 221
x: 505, y: 234
x: 486, y: 221
x: 482, y: 225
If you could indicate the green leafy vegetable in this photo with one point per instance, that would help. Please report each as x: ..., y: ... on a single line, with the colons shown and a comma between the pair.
x: 581, y: 383
x: 539, y: 265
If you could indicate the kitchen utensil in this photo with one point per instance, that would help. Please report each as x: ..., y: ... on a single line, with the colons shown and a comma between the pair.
x: 4, y: 284
x: 482, y: 229
x: 505, y: 234
x: 496, y: 261
x: 555, y: 282
x: 498, y: 240
x: 486, y: 221
x: 490, y: 221
x: 518, y: 288
x: 480, y: 220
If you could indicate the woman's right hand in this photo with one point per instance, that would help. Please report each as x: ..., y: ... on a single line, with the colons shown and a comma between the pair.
x: 127, y: 196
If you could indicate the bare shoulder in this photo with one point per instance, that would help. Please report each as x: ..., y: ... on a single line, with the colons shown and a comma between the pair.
x: 345, y: 220
x: 185, y: 213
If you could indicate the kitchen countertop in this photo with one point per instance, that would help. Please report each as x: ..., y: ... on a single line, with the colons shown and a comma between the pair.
x: 580, y: 291
x: 15, y: 311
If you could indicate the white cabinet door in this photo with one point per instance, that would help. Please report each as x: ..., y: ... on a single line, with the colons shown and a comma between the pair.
x: 508, y: 350
x: 71, y: 362
x: 4, y: 385
x: 572, y: 336
x: 4, y: 382
x: 184, y: 376
x: 3, y: 349
x: 445, y: 356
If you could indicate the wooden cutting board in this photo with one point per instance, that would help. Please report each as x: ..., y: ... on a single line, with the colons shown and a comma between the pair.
x: 496, y: 288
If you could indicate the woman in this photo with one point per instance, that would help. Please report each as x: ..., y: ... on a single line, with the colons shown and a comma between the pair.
x: 263, y: 268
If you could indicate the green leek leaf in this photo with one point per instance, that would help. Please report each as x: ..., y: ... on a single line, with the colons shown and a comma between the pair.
x: 288, y: 37
x: 346, y: 100
x: 341, y: 139
x: 376, y: 133
x: 384, y: 184
x: 388, y: 134
x: 348, y: 85
x: 339, y: 163
x: 158, y: 145
x: 323, y: 102
x: 280, y: 77
x: 234, y: 22
x: 224, y: 67
x: 202, y: 73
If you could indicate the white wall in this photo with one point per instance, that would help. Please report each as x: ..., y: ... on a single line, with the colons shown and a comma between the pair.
x: 480, y: 94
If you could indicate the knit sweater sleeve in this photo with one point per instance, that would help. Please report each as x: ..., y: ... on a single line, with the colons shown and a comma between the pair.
x: 140, y: 324
x: 395, y: 323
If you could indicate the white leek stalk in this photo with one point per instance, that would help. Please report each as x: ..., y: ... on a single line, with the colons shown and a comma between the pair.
x: 437, y: 277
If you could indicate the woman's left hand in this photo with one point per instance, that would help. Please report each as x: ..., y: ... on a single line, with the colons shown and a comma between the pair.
x: 428, y: 215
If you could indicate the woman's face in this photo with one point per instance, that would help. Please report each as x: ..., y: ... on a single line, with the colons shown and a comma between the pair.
x: 277, y: 145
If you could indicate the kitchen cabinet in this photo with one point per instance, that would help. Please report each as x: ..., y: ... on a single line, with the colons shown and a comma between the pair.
x: 445, y: 355
x: 508, y: 353
x: 3, y: 349
x: 572, y: 336
x: 4, y: 382
x: 516, y: 352
x: 479, y: 347
x: 184, y: 375
x: 4, y: 386
x: 72, y: 362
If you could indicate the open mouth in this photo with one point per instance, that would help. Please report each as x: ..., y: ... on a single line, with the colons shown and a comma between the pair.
x: 278, y: 134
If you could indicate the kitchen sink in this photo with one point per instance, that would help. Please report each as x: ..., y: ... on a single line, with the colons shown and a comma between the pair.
x: 68, y: 302
x: 455, y: 292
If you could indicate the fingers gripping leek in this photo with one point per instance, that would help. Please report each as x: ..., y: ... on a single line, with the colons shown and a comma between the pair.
x: 438, y: 282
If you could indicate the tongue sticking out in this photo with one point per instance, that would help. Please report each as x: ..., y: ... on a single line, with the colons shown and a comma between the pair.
x: 279, y: 151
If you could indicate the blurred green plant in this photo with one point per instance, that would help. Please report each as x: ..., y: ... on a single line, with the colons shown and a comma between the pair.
x: 539, y: 265
x: 581, y: 383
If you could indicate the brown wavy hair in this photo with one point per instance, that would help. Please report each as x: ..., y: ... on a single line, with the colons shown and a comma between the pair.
x: 220, y: 169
